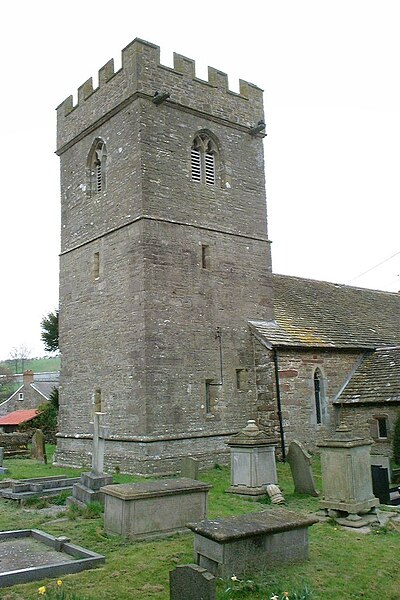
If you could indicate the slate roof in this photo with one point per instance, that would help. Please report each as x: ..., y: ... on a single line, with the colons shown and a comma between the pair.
x: 18, y: 416
x: 44, y: 387
x: 376, y: 380
x: 310, y: 313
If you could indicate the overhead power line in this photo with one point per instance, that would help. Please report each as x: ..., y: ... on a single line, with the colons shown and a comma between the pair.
x: 374, y: 267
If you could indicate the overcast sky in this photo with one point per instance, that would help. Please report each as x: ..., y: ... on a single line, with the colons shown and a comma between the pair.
x: 330, y: 72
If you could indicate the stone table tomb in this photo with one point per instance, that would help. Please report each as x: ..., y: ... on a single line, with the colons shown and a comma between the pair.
x: 251, y: 542
x: 153, y: 508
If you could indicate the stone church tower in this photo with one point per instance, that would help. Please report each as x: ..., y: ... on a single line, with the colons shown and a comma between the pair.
x: 164, y: 259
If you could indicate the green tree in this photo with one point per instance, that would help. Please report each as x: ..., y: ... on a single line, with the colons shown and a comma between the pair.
x: 49, y: 336
x: 396, y: 441
x: 47, y: 419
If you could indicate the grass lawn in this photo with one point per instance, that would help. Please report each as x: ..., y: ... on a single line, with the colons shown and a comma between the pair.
x: 342, y: 564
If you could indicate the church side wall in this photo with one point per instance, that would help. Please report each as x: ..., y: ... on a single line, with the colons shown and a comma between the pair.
x: 296, y: 384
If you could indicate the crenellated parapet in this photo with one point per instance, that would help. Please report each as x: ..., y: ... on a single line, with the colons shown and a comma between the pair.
x: 142, y: 75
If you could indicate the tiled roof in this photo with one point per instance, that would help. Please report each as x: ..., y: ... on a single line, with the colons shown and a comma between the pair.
x: 44, y: 387
x: 311, y: 313
x: 377, y: 380
x: 18, y: 416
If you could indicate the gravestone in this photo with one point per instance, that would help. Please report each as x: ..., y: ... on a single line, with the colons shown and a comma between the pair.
x: 38, y: 451
x: 189, y: 467
x: 346, y: 478
x: 3, y: 470
x: 88, y: 488
x: 380, y: 484
x: 300, y: 465
x: 191, y: 581
x: 253, y: 465
x: 382, y: 461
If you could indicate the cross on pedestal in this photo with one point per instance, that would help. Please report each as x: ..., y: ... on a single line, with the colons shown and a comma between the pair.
x: 88, y: 489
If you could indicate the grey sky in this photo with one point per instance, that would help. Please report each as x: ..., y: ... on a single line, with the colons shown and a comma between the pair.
x: 332, y: 99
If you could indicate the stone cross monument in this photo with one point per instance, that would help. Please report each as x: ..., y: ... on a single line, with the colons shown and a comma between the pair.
x: 88, y: 488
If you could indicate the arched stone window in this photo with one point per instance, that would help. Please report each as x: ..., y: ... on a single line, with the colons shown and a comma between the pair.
x: 203, y: 157
x: 96, y: 167
x: 319, y: 396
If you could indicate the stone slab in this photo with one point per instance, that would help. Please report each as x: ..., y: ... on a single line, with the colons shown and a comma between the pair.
x: 266, y: 522
x: 149, y: 489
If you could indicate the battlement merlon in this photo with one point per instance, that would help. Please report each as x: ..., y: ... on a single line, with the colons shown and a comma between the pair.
x: 141, y: 73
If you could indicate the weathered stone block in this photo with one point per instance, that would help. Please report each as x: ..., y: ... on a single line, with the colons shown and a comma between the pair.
x: 191, y: 581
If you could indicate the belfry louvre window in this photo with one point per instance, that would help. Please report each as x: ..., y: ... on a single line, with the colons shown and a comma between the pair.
x: 203, y: 163
x: 96, y: 168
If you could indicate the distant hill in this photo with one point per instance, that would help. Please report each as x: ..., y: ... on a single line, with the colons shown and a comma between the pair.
x: 37, y: 365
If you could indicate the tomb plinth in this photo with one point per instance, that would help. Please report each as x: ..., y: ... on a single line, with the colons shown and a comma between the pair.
x: 252, y: 462
x: 251, y: 542
x: 153, y: 508
x: 346, y: 476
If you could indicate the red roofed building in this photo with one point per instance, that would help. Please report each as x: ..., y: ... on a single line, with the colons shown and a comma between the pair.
x: 10, y: 422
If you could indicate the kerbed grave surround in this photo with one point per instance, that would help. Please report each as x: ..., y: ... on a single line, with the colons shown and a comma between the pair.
x: 30, y: 554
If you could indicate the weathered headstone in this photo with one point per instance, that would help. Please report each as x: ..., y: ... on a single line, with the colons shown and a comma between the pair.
x: 191, y: 581
x: 38, y: 451
x: 382, y: 461
x: 300, y: 465
x: 189, y: 467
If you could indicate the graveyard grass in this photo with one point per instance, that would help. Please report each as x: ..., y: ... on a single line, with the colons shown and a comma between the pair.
x: 341, y: 564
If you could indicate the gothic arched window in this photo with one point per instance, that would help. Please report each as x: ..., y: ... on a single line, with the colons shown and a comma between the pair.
x: 96, y: 168
x: 203, y: 159
x: 318, y: 396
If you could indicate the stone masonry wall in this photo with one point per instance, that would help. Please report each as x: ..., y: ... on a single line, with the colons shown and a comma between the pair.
x: 296, y: 383
x: 362, y: 419
x: 142, y: 73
